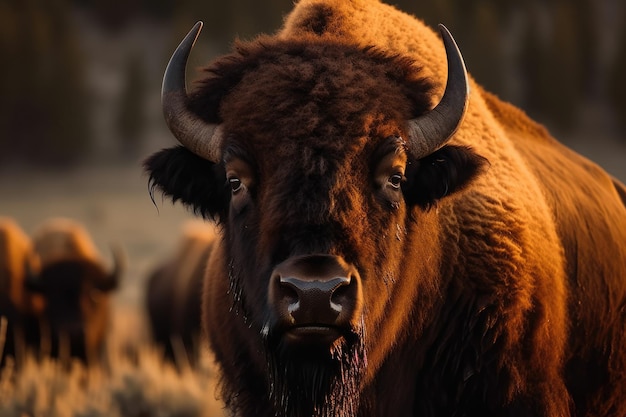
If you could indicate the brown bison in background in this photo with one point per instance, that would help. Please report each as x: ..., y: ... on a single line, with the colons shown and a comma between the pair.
x: 18, y: 307
x: 76, y: 287
x: 173, y: 295
x: 390, y: 247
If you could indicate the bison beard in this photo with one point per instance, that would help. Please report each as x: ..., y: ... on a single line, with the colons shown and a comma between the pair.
x: 308, y: 382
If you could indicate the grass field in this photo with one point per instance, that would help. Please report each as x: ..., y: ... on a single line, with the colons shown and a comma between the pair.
x: 114, y: 204
x: 136, y: 382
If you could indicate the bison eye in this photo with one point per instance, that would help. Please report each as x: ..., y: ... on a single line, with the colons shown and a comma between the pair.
x: 396, y: 180
x: 235, y: 184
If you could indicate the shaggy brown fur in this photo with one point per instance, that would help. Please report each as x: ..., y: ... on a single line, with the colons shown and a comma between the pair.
x: 488, y: 289
x: 173, y: 295
x: 76, y: 287
x: 19, y: 307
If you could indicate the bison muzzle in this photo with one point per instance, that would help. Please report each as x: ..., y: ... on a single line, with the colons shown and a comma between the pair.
x: 315, y: 300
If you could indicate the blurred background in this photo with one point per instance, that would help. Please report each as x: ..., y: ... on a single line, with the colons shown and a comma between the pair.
x: 80, y: 83
x: 80, y: 78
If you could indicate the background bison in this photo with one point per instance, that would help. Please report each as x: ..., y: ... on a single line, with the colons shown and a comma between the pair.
x: 391, y: 247
x: 173, y: 295
x: 76, y: 287
x: 18, y: 307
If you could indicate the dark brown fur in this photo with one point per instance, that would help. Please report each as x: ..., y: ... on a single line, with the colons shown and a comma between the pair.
x: 492, y: 289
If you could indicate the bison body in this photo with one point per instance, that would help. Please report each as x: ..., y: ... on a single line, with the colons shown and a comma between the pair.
x: 76, y: 286
x: 18, y: 263
x: 173, y: 295
x: 391, y: 243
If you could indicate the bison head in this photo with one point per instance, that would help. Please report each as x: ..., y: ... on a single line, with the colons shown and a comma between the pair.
x: 322, y: 160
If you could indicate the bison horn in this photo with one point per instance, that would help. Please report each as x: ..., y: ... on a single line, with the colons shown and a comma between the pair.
x: 31, y: 277
x: 432, y: 130
x: 200, y: 137
x: 112, y: 280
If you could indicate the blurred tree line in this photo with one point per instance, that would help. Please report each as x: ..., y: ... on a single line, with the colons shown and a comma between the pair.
x: 44, y: 112
x: 544, y: 55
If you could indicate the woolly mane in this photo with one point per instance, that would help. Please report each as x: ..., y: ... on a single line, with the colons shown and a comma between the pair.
x: 288, y: 79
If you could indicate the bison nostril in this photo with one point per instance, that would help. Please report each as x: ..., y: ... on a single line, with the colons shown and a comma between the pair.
x: 340, y: 295
x: 291, y: 298
x: 289, y: 290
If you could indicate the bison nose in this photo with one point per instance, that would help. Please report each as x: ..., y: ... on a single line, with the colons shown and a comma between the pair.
x: 315, y: 290
x: 313, y: 301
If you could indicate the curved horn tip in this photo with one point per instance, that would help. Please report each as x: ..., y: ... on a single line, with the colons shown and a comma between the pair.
x: 178, y: 62
x: 120, y: 263
x: 452, y: 49
x: 195, y: 31
x: 192, y: 131
x: 443, y: 28
x: 433, y: 129
x: 120, y: 256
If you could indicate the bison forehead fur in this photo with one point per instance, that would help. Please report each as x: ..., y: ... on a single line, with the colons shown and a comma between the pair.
x: 307, y: 89
x: 355, y: 276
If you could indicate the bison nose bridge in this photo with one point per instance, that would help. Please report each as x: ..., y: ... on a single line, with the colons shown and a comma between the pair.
x: 314, y: 290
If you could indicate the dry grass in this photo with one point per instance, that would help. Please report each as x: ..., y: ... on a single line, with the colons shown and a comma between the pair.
x: 113, y: 203
x: 135, y: 383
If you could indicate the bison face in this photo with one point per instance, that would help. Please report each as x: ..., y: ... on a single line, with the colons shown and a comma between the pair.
x: 322, y: 190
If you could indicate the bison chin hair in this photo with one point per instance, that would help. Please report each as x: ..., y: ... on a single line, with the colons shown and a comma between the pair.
x: 306, y: 382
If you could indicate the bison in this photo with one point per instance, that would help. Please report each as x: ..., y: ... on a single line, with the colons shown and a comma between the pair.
x: 395, y: 240
x: 19, y: 307
x: 76, y: 286
x: 173, y: 295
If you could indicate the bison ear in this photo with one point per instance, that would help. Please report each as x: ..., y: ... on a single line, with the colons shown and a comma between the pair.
x: 183, y: 176
x: 442, y: 173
